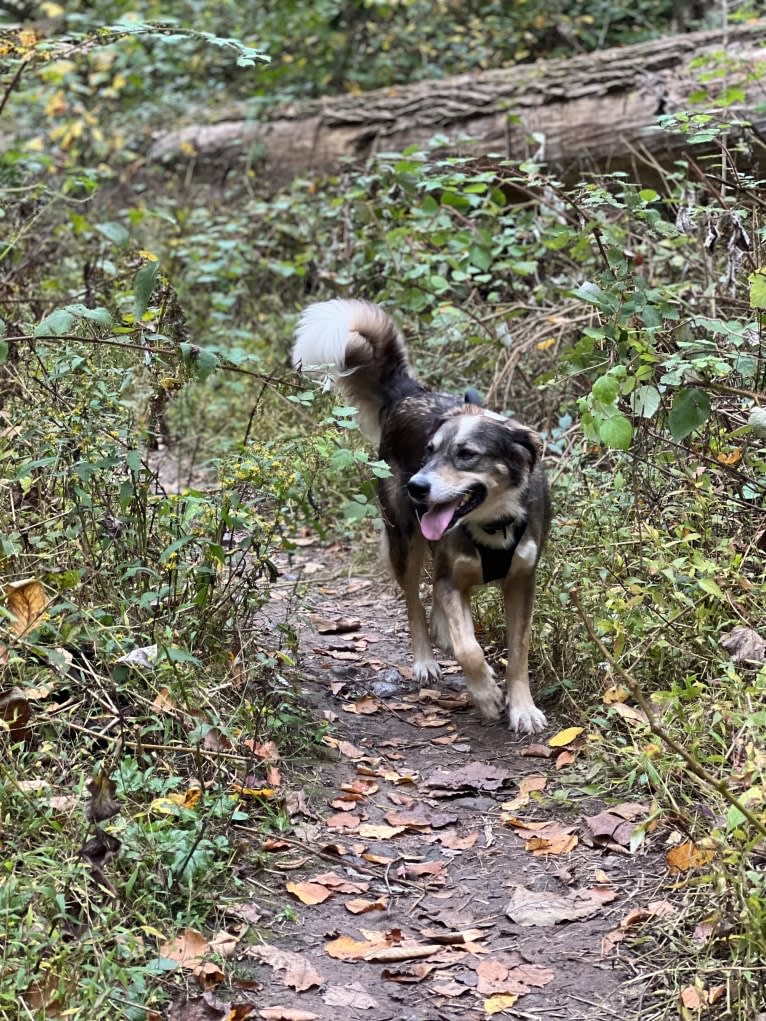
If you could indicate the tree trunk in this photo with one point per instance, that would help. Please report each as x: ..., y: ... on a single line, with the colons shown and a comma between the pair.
x: 596, y: 109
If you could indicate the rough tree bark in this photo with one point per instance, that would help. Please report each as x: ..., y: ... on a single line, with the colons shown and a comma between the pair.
x: 599, y: 108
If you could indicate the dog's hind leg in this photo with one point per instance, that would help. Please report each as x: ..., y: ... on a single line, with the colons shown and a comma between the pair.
x: 519, y: 595
x: 406, y: 556
x: 482, y: 685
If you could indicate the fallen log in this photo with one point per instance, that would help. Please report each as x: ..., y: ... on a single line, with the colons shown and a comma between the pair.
x: 598, y: 109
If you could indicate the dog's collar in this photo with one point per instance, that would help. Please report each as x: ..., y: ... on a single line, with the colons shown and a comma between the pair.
x: 496, y: 560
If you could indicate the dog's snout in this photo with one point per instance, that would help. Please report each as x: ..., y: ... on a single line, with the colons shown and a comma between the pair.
x: 418, y: 488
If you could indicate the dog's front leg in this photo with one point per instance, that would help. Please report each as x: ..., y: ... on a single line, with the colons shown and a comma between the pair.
x: 519, y: 595
x: 407, y: 564
x: 482, y: 685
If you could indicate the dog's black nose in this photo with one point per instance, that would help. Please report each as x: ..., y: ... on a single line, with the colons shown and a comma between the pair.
x: 418, y: 489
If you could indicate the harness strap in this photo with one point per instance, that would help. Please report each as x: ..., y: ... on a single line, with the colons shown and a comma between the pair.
x: 496, y: 562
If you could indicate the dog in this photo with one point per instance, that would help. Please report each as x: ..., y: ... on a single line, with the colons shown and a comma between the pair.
x: 465, y: 482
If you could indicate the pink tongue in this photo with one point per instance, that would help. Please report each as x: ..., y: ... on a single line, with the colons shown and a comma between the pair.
x: 433, y: 524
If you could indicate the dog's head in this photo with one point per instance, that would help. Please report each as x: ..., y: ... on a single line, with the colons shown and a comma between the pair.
x: 477, y: 467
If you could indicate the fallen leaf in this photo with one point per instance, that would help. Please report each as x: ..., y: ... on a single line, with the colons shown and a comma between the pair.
x: 455, y: 842
x: 365, y: 706
x: 343, y: 821
x: 188, y: 949
x: 744, y: 645
x: 657, y: 909
x: 27, y: 601
x: 336, y: 626
x: 630, y: 714
x: 224, y: 944
x: 300, y: 974
x: 537, y: 751
x: 407, y: 951
x: 102, y: 803
x: 499, y: 1004
x: 687, y: 856
x: 309, y: 893
x: 346, y: 948
x: 475, y: 776
x: 691, y: 999
x: 352, y: 997
x: 209, y: 975
x: 371, y: 831
x: 360, y: 906
x: 529, y: 907
x: 565, y: 737
x: 565, y: 758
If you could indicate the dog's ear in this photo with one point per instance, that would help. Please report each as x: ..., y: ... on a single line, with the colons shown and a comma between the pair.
x: 521, y: 442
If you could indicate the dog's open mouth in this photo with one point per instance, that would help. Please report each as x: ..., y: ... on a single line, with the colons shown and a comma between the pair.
x: 440, y: 517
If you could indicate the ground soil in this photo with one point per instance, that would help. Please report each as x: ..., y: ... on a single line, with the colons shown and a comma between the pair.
x: 430, y: 754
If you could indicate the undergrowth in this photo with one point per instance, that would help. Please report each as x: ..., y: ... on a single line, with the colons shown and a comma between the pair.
x: 159, y: 460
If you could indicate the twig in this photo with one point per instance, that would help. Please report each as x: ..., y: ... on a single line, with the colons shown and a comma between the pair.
x: 633, y: 686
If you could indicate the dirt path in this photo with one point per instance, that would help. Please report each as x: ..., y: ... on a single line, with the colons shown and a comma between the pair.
x: 406, y: 836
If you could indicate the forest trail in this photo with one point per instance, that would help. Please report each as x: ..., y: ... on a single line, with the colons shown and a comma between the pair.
x: 437, y: 869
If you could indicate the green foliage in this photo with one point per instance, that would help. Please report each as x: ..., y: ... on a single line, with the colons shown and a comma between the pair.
x: 158, y: 458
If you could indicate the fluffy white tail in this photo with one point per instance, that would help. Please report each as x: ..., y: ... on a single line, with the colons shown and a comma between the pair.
x: 359, y: 346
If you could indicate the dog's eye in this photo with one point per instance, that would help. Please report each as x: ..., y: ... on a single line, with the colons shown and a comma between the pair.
x: 466, y: 453
x: 430, y: 449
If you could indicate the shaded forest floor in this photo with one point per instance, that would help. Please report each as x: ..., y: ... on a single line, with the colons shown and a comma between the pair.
x: 438, y: 867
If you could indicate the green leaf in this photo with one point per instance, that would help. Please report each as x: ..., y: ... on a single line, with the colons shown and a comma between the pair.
x: 3, y: 351
x: 143, y: 285
x: 606, y: 389
x: 96, y: 315
x: 57, y: 323
x: 758, y: 289
x: 202, y: 362
x: 645, y: 401
x: 616, y: 432
x: 711, y: 587
x: 115, y: 232
x: 690, y: 410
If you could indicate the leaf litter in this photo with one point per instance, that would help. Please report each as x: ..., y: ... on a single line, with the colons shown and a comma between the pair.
x: 445, y: 856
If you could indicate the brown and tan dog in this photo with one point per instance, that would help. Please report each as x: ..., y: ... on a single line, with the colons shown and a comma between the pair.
x: 466, y: 482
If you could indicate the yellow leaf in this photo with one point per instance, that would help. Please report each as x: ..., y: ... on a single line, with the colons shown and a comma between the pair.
x: 500, y: 1003
x: 565, y: 737
x: 27, y: 601
x: 545, y: 344
x: 51, y: 10
x: 254, y: 792
x: 687, y: 856
x: 148, y: 255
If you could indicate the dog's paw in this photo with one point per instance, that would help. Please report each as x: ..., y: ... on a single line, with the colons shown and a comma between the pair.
x: 526, y: 719
x: 426, y: 671
x: 488, y: 700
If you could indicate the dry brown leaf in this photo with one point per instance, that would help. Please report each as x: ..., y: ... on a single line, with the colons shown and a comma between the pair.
x: 360, y: 906
x: 687, y: 856
x: 630, y: 714
x: 224, y: 944
x: 300, y: 974
x: 744, y: 645
x: 475, y: 776
x: 365, y: 706
x: 691, y: 998
x: 565, y: 758
x: 407, y: 951
x: 309, y: 893
x: 529, y: 907
x: 27, y: 601
x: 538, y: 751
x: 352, y: 997
x: 336, y: 625
x: 454, y: 842
x: 343, y: 821
x: 208, y: 975
x: 371, y: 831
x: 188, y: 949
x: 346, y: 948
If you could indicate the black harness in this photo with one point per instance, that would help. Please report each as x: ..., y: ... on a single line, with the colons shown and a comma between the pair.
x: 496, y: 562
